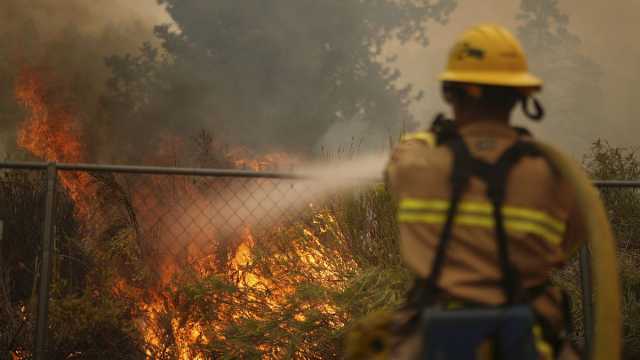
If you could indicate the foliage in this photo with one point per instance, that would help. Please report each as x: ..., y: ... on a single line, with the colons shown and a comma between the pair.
x: 258, y: 72
x: 84, y: 315
x: 290, y: 291
x: 20, y: 193
x: 302, y: 285
x: 629, y: 260
x: 572, y: 91
x: 606, y: 162
x: 92, y: 324
x: 544, y: 26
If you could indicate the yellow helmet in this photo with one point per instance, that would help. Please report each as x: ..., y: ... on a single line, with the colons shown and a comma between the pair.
x: 489, y: 55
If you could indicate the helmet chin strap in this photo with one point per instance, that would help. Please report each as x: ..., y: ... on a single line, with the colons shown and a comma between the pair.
x: 538, y: 111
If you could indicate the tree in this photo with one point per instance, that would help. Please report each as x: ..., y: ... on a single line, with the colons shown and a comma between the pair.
x: 265, y: 73
x: 572, y: 91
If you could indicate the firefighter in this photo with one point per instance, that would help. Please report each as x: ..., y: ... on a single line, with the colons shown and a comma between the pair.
x: 485, y: 214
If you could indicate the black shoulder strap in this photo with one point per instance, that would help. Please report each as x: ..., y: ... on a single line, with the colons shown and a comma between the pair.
x: 496, y: 180
x: 461, y: 172
x: 445, y: 129
x: 495, y: 176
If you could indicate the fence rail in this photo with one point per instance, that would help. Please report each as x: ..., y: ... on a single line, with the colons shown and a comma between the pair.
x: 151, y: 170
x: 166, y: 170
x: 53, y: 171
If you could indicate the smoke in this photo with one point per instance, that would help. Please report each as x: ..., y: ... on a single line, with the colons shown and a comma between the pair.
x: 268, y: 75
x: 349, y: 137
x: 260, y: 204
x: 271, y: 76
x: 68, y: 40
x: 607, y: 35
x: 281, y: 93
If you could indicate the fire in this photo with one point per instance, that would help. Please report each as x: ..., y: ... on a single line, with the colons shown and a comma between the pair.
x: 51, y: 130
x: 188, y: 333
x: 254, y: 286
x: 242, y: 260
x: 242, y: 158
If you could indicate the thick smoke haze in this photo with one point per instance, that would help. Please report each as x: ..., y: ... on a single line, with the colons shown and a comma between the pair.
x: 69, y: 40
x: 72, y: 38
x: 270, y: 76
x: 606, y: 33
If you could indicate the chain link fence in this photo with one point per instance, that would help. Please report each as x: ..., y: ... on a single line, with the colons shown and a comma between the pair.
x: 166, y: 263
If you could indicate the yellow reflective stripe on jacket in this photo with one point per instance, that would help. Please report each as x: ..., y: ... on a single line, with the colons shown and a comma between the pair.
x: 484, y: 221
x: 480, y: 214
x: 423, y: 136
x: 484, y: 208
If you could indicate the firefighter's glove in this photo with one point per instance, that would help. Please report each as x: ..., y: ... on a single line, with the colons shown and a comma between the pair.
x: 370, y: 338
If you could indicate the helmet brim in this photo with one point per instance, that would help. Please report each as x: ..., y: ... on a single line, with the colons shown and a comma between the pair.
x: 521, y: 80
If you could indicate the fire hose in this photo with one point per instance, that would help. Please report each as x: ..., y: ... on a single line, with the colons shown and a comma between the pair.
x: 608, y: 318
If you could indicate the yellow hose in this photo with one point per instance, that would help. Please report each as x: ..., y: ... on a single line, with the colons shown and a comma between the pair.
x: 608, y: 318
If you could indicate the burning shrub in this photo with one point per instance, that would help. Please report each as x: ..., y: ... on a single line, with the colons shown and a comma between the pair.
x: 170, y: 268
x: 289, y: 291
x: 184, y: 268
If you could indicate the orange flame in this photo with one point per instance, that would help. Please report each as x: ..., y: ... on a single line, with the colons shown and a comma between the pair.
x: 242, y: 158
x: 51, y: 130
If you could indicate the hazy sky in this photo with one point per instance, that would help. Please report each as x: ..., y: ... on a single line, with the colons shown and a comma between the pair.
x: 606, y: 30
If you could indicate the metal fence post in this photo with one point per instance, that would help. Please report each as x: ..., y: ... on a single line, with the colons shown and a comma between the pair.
x: 1, y: 245
x: 587, y: 298
x: 1, y: 238
x: 42, y: 321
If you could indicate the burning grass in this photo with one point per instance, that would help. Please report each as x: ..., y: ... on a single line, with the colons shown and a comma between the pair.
x: 123, y: 289
x: 284, y: 291
x: 287, y: 291
x: 183, y: 268
x: 190, y: 268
